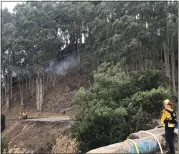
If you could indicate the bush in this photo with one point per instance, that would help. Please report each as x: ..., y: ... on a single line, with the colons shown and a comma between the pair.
x: 149, y: 101
x: 100, y: 126
x: 149, y: 79
x: 115, y: 106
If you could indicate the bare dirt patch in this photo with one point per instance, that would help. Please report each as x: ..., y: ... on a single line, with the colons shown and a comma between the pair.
x: 36, y: 137
x: 61, y: 95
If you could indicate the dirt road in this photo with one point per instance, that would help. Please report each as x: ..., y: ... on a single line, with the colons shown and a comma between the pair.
x: 52, y: 119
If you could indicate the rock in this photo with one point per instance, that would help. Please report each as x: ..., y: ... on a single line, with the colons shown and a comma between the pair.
x: 65, y: 110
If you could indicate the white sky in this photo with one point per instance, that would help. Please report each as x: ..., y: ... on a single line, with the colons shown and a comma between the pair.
x: 10, y: 5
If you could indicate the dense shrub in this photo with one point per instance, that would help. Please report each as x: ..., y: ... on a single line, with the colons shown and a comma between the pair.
x: 149, y: 79
x: 149, y: 101
x: 100, y: 126
x: 115, y: 106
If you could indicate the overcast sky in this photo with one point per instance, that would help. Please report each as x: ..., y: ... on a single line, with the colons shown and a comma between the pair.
x: 10, y: 5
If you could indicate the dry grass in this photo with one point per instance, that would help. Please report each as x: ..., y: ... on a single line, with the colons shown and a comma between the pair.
x: 34, y: 137
x: 64, y: 144
x: 19, y: 150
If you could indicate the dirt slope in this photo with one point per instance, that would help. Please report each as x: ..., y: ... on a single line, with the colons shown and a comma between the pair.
x: 38, y: 137
x: 57, y: 99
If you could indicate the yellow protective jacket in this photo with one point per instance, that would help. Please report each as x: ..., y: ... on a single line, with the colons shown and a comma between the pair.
x: 167, y: 115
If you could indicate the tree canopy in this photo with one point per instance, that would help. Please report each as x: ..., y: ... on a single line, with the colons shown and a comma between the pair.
x: 139, y: 35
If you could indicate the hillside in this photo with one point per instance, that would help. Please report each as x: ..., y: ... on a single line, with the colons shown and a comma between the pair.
x: 57, y: 99
x: 24, y: 136
x: 112, y: 66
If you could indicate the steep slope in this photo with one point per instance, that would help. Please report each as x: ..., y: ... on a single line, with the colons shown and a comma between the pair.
x: 57, y: 98
x: 35, y: 137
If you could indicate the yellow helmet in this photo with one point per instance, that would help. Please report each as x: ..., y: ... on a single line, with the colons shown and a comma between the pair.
x: 167, y: 102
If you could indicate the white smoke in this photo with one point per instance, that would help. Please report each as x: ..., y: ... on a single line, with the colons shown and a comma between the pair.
x: 62, y: 67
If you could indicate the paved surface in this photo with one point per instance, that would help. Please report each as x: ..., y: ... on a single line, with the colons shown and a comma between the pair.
x: 52, y: 119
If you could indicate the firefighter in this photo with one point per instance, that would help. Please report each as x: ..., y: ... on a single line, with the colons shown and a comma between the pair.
x: 23, y: 115
x: 168, y: 119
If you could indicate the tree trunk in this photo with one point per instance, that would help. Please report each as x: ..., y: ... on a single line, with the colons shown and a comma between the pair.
x: 29, y: 80
x: 37, y: 95
x: 7, y: 95
x: 136, y: 65
x: 32, y: 87
x: 145, y: 64
x: 11, y: 85
x: 5, y: 92
x: 173, y: 66
x: 26, y: 83
x: 132, y: 65
x: 29, y: 85
x: 150, y: 62
x: 43, y: 84
x: 21, y: 94
x: 47, y: 79
x: 166, y: 60
x: 161, y: 54
x: 7, y: 101
x: 2, y: 96
x: 40, y: 94
x: 21, y: 91
x: 54, y: 78
x: 51, y: 77
x: 78, y: 56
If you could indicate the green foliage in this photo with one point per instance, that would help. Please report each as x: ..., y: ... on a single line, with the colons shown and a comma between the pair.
x: 99, y: 126
x: 38, y: 24
x: 149, y: 79
x: 116, y: 105
x: 148, y: 101
x: 37, y: 31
